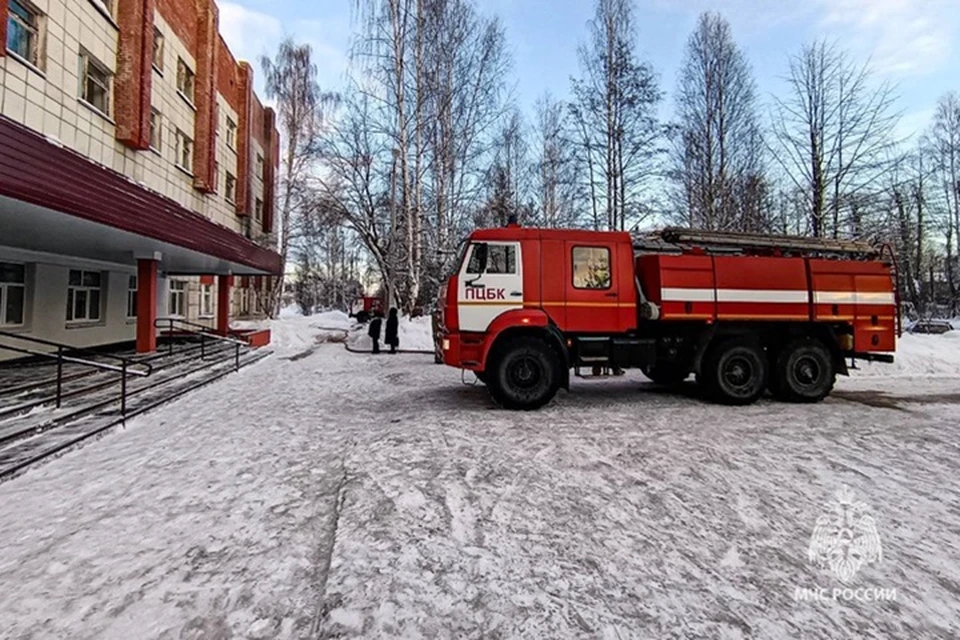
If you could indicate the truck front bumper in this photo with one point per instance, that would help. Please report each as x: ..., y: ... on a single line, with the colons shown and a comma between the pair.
x: 463, y: 352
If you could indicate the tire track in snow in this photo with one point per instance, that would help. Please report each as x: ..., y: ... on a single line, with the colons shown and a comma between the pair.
x: 325, y: 551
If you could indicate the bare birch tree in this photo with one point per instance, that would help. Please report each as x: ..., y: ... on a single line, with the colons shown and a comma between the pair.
x: 426, y: 95
x: 945, y: 141
x: 718, y: 146
x: 554, y: 165
x: 833, y: 133
x: 614, y: 112
x: 291, y: 80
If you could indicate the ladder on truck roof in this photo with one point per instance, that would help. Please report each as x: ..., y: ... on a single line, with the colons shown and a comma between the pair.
x: 679, y: 240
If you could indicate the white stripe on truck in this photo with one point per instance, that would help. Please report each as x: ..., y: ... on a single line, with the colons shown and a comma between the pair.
x: 781, y: 296
x: 853, y: 297
x: 734, y: 295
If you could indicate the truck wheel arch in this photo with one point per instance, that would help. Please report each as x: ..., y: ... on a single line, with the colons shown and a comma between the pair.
x: 527, y: 322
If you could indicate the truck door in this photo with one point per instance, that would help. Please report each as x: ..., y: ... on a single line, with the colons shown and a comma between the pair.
x: 490, y: 283
x: 592, y: 290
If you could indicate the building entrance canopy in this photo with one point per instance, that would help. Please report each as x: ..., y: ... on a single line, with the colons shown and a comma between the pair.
x: 54, y: 200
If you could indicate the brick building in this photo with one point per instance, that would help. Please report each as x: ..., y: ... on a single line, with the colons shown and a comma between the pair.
x: 137, y: 171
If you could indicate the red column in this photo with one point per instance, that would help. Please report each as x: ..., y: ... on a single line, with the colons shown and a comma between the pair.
x: 134, y: 76
x: 146, y: 305
x: 223, y: 304
x: 244, y: 133
x: 205, y: 97
x: 3, y: 27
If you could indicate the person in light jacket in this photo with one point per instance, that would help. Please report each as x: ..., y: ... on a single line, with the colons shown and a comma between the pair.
x: 391, y: 337
x: 374, y: 332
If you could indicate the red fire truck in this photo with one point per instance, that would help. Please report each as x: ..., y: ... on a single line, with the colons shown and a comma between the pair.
x: 365, y: 307
x: 742, y: 312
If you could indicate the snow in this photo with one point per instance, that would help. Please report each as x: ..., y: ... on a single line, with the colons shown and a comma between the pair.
x: 292, y: 311
x: 923, y: 355
x: 294, y: 332
x: 341, y: 495
x: 415, y: 334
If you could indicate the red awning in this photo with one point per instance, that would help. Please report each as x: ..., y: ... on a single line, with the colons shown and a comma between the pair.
x: 40, y: 172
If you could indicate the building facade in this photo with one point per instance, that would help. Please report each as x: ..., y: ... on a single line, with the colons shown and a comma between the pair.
x: 137, y: 171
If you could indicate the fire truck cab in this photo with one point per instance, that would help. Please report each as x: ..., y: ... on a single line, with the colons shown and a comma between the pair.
x: 743, y: 313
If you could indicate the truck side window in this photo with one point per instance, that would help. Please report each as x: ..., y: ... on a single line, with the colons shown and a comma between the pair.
x: 591, y: 268
x: 501, y: 259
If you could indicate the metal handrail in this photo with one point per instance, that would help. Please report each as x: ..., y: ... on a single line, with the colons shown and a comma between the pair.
x: 70, y: 348
x: 204, y: 334
x: 160, y: 323
x: 124, y: 369
x: 87, y: 363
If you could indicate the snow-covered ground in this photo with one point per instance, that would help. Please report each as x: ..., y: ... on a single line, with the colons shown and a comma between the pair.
x: 919, y: 355
x: 298, y: 332
x: 415, y: 334
x: 341, y: 495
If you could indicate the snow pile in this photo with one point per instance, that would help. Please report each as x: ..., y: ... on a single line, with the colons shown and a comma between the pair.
x: 920, y: 355
x: 332, y: 320
x: 293, y: 333
x: 293, y: 311
x: 416, y: 334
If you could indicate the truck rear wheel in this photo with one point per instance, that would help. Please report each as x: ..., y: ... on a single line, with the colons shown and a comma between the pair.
x: 525, y: 374
x: 804, y: 372
x: 666, y: 374
x: 734, y: 372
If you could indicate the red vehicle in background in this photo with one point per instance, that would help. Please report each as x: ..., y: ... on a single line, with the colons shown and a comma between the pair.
x: 744, y: 313
x: 365, y: 307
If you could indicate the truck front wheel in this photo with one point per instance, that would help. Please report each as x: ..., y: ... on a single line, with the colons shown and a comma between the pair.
x: 804, y: 372
x: 734, y: 371
x: 525, y: 374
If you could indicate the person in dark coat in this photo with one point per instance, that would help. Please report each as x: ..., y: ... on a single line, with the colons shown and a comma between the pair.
x: 374, y: 331
x: 392, y: 338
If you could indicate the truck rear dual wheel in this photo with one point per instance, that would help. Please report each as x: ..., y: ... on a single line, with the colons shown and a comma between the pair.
x: 525, y: 374
x: 734, y: 371
x: 804, y: 372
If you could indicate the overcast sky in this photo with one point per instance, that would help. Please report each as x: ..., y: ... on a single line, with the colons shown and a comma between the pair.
x: 911, y: 42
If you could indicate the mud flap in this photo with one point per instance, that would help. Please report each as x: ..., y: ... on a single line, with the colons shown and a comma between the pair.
x: 559, y: 343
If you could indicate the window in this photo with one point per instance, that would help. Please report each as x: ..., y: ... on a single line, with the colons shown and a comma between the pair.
x: 156, y: 130
x: 244, y: 301
x: 258, y: 210
x: 23, y: 32
x: 184, y: 152
x: 177, y: 303
x: 184, y: 80
x: 94, y: 83
x: 84, y: 296
x: 230, y: 189
x: 106, y: 4
x: 260, y: 166
x: 206, y: 300
x: 132, y: 297
x: 158, y: 49
x: 591, y: 268
x: 501, y: 259
x: 12, y: 294
x: 231, y: 133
